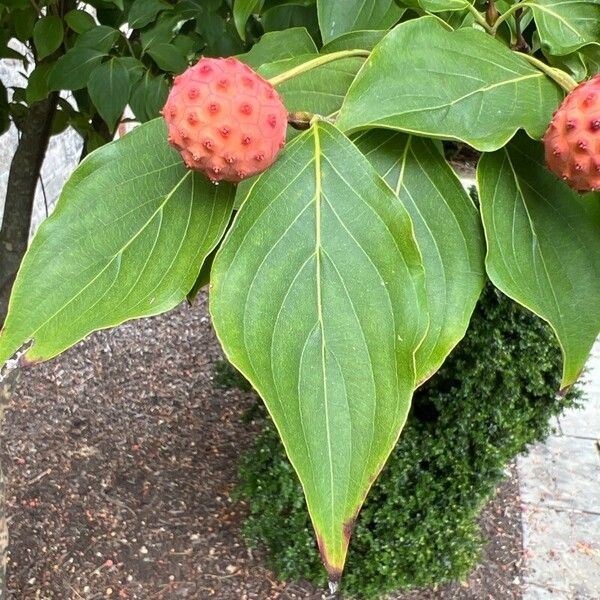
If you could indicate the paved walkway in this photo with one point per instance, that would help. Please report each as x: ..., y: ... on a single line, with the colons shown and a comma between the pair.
x: 560, y: 490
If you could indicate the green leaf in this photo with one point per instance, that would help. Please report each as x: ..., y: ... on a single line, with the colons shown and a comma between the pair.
x: 161, y: 32
x: 72, y: 70
x: 355, y: 40
x: 320, y: 90
x: 279, y: 45
x: 507, y: 28
x: 582, y: 64
x: 543, y: 246
x: 242, y: 9
x: 318, y: 299
x: 101, y: 38
x: 149, y: 96
x: 189, y: 45
x: 47, y: 35
x: 5, y: 50
x: 15, y: 4
x: 203, y: 277
x: 168, y: 58
x: 37, y: 83
x: 281, y: 18
x: 337, y: 18
x: 24, y: 22
x: 448, y: 231
x: 109, y: 90
x: 565, y: 26
x: 80, y: 21
x: 143, y: 12
x: 220, y: 36
x: 437, y: 5
x: 135, y: 68
x: 461, y: 85
x: 196, y: 9
x: 127, y: 239
x: 269, y: 4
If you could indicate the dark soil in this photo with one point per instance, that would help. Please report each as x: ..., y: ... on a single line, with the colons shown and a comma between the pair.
x: 120, y: 458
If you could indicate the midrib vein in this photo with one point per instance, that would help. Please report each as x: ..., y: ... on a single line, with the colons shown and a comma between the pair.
x: 318, y: 196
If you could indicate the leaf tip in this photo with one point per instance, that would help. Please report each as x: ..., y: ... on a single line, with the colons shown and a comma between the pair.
x: 334, y: 571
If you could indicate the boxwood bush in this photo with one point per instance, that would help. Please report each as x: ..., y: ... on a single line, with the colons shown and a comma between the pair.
x: 418, y: 527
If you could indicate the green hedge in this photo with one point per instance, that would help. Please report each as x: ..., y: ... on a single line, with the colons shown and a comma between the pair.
x: 495, y: 394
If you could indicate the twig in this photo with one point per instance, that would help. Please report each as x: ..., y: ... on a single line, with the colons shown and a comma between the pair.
x: 316, y: 62
x: 40, y: 476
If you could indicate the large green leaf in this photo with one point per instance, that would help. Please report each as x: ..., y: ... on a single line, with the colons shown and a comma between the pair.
x: 566, y: 25
x: 320, y: 90
x: 318, y: 299
x: 543, y: 246
x: 127, y: 239
x: 109, y: 90
x: 279, y: 45
x: 462, y: 85
x: 448, y: 231
x: 337, y: 18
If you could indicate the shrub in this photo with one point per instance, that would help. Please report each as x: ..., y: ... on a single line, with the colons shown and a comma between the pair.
x: 494, y: 395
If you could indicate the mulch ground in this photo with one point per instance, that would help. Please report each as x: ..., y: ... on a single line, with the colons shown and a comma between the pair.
x: 120, y: 458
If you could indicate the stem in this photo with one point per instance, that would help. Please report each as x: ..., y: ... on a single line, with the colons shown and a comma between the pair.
x: 491, y: 13
x: 314, y: 63
x: 300, y: 120
x: 563, y: 79
x: 521, y: 44
x: 479, y: 18
x: 514, y: 8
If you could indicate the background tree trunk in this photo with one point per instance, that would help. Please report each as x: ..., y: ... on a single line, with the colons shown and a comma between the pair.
x: 20, y: 193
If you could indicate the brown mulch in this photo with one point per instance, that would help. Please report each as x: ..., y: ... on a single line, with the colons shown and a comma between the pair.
x: 120, y: 458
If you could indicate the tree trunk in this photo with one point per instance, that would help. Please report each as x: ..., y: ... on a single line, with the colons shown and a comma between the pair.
x: 20, y: 193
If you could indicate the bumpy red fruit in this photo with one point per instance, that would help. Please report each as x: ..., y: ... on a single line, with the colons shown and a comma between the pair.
x: 572, y: 140
x: 225, y: 119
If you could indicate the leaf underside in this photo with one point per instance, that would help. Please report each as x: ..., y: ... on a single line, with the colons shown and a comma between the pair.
x: 543, y: 246
x: 564, y: 27
x: 318, y: 298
